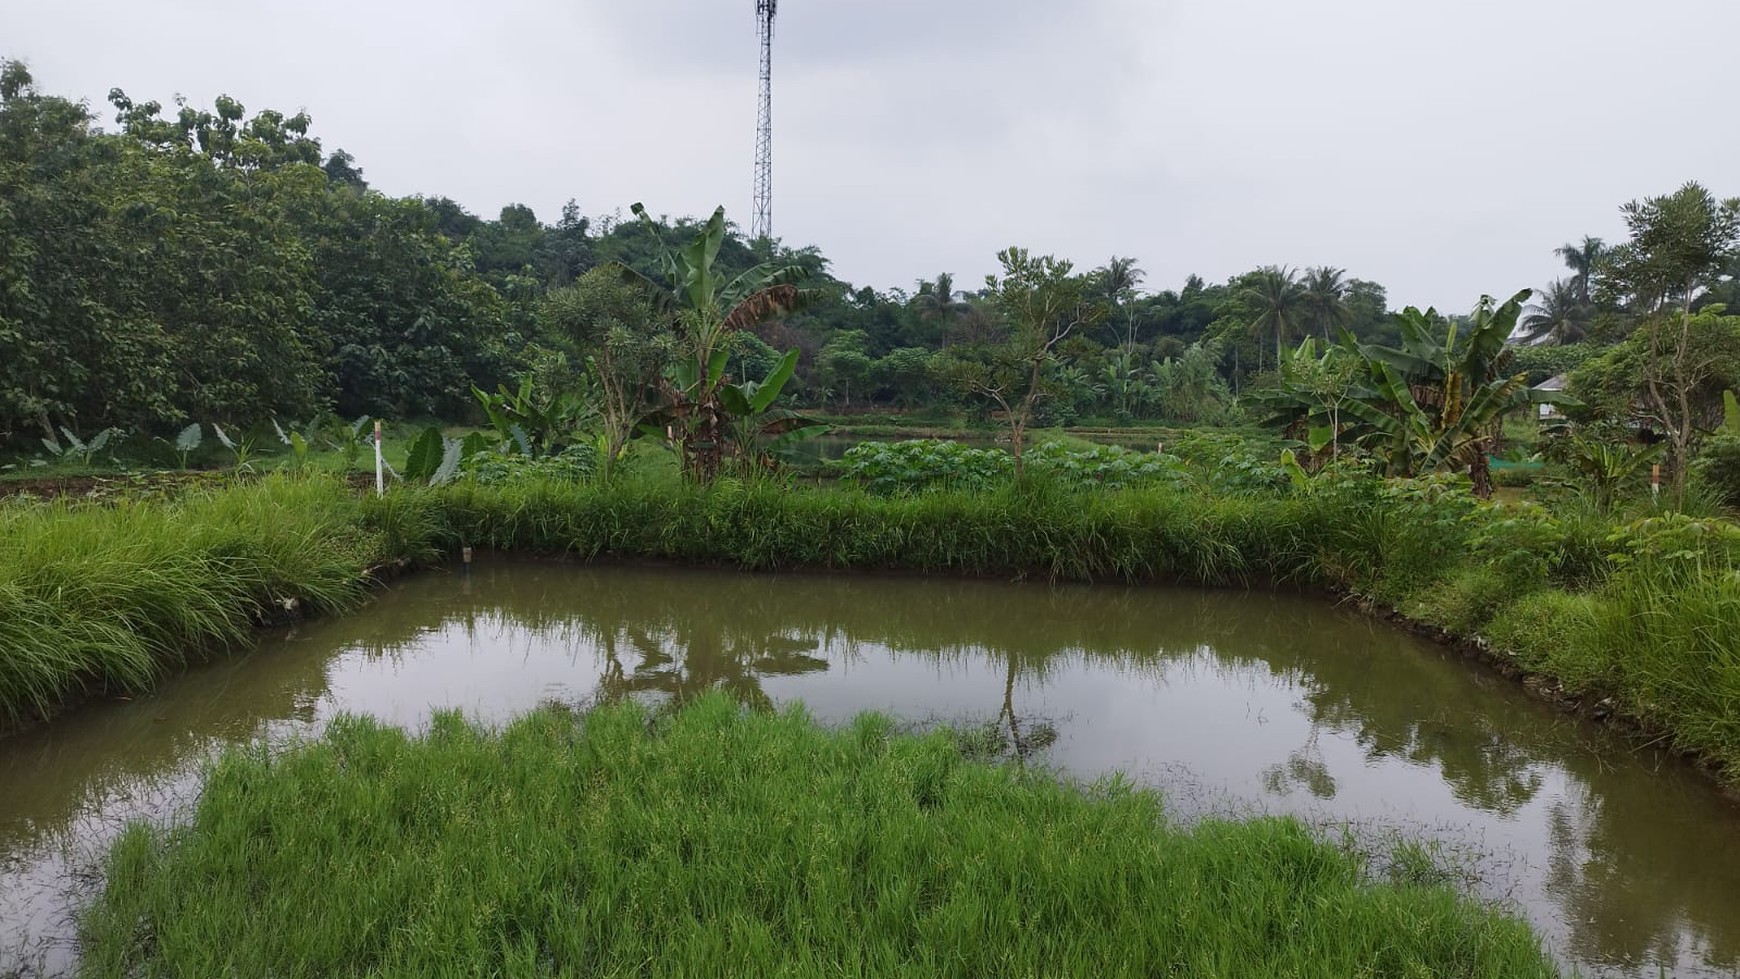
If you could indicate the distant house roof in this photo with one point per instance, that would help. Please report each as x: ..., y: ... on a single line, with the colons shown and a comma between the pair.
x: 1554, y: 383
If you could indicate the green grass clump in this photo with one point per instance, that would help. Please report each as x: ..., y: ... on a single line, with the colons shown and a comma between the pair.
x: 714, y: 842
x: 1152, y: 534
x: 110, y: 597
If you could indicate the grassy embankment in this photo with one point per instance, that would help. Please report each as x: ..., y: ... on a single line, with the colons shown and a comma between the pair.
x: 714, y: 842
x: 1647, y: 614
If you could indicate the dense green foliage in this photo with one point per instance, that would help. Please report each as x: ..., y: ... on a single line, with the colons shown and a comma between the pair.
x: 216, y: 266
x: 221, y: 268
x: 1435, y: 403
x: 714, y: 841
x: 928, y: 464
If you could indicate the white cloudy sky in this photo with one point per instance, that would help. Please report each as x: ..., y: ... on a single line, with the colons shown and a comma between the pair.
x: 1441, y: 147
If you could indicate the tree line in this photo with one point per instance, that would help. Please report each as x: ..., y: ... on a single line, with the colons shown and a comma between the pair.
x: 208, y: 264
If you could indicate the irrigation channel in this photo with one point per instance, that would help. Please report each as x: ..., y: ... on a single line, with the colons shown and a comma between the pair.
x: 1227, y: 701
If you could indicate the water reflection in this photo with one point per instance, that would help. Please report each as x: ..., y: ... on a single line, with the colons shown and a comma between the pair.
x: 1274, y: 701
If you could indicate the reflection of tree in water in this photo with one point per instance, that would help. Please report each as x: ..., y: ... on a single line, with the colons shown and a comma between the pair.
x: 1304, y: 767
x: 1642, y: 887
x: 683, y: 666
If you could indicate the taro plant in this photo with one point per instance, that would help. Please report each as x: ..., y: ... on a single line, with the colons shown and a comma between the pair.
x: 186, y: 442
x: 531, y: 422
x: 299, y: 442
x: 242, y: 449
x: 351, y: 438
x: 77, y: 448
x: 435, y: 458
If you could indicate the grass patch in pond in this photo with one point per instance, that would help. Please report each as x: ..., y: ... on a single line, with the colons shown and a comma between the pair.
x: 717, y: 842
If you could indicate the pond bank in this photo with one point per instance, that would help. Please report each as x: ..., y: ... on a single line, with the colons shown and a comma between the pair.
x: 104, y: 599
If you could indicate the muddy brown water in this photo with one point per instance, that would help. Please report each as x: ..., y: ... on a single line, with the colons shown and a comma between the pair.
x: 1229, y: 702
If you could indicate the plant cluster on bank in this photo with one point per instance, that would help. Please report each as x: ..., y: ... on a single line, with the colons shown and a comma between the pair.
x: 714, y: 841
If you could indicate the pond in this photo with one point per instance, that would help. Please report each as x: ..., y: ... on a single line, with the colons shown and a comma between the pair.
x: 1227, y: 701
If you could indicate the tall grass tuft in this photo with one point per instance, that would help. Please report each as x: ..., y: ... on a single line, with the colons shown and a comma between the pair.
x: 107, y: 598
x: 714, y: 842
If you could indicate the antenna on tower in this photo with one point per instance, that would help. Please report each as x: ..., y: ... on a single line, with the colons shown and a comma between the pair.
x: 762, y: 226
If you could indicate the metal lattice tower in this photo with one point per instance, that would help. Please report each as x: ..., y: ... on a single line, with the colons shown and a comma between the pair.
x: 762, y: 226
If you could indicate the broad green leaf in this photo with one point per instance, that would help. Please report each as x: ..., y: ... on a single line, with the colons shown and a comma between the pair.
x: 452, y: 454
x: 716, y: 366
x: 472, y: 445
x: 425, y: 456
x: 190, y: 438
x: 735, y: 401
x: 776, y: 381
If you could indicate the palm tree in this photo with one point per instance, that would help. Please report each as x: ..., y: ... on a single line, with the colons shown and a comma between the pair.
x: 1119, y: 278
x: 1273, y: 294
x: 1582, y: 261
x: 936, y: 300
x: 1558, y: 315
x: 1325, y: 292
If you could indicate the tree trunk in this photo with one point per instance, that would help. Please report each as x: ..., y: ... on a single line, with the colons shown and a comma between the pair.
x: 1480, y: 471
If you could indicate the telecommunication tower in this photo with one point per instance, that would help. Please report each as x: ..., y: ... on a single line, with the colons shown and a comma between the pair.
x: 762, y: 226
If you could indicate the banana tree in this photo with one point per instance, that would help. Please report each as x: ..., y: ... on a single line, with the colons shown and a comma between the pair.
x: 708, y: 309
x: 760, y: 431
x: 1436, y: 403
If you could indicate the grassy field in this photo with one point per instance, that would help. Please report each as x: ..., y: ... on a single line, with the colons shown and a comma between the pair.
x: 715, y: 842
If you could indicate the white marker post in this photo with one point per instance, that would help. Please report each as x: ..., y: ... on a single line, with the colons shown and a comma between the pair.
x: 380, y: 463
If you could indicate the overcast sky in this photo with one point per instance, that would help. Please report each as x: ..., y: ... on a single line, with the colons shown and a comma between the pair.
x: 1441, y: 147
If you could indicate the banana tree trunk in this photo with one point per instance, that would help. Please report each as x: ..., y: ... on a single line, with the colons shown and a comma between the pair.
x: 1480, y: 471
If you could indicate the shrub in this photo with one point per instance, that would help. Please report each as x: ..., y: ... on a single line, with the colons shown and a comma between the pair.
x: 921, y: 464
x: 1718, y: 468
x: 573, y: 464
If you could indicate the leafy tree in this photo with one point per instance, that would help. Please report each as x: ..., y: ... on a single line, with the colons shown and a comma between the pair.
x: 1043, y: 302
x: 1314, y: 389
x: 907, y: 373
x: 1436, y: 402
x: 1680, y: 245
x: 1584, y: 260
x: 625, y: 342
x: 1120, y: 278
x: 935, y: 302
x: 844, y: 364
x: 1187, y: 389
